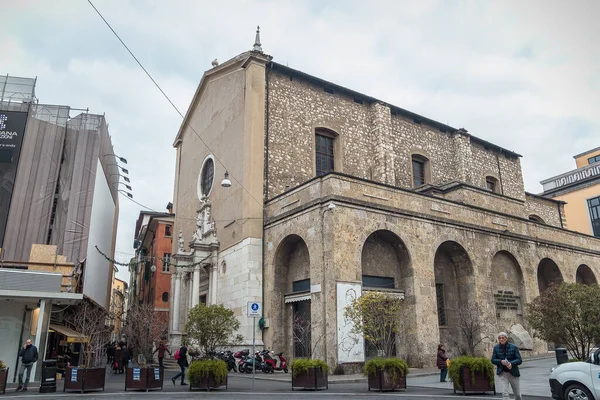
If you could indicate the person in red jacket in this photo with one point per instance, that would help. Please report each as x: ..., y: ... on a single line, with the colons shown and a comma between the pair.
x: 442, y: 362
x: 162, y: 348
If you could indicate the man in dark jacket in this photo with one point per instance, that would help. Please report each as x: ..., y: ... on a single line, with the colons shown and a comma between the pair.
x: 183, y: 364
x: 507, y: 358
x: 29, y: 356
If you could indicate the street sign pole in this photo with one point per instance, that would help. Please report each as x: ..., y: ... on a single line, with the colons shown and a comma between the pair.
x: 253, y: 343
x: 254, y: 310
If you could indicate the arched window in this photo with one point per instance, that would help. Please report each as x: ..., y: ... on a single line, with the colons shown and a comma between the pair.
x: 421, y: 172
x: 165, y: 297
x: 536, y: 218
x: 324, y: 151
x: 492, y: 184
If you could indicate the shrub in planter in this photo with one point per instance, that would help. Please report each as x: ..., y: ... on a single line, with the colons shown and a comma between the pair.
x: 3, y: 377
x: 207, y: 374
x: 308, y: 373
x: 472, y: 374
x: 386, y: 373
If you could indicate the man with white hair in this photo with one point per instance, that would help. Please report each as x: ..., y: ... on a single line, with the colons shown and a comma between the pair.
x: 507, y: 358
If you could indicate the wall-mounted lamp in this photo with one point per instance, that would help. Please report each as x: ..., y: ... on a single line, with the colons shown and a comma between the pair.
x: 126, y: 179
x: 127, y: 193
x: 153, y: 268
x: 226, y: 182
x: 125, y: 171
x: 126, y: 185
x: 122, y: 159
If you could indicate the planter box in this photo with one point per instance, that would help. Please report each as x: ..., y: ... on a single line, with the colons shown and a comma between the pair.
x: 383, y: 380
x: 144, y: 378
x: 206, y: 383
x: 84, y: 379
x: 3, y: 380
x: 312, y: 379
x: 481, y: 385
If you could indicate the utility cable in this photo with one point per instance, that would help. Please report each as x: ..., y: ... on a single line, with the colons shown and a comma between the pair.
x: 172, y: 104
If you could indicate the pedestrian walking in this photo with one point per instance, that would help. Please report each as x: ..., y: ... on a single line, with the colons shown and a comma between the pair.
x: 29, y: 356
x: 507, y: 358
x: 161, y: 349
x: 442, y: 362
x: 181, y: 357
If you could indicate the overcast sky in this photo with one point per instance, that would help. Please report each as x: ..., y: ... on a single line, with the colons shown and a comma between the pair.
x: 522, y: 74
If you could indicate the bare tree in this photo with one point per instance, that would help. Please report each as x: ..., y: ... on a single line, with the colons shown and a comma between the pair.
x: 90, y: 320
x: 471, y: 329
x: 303, y: 330
x: 139, y: 331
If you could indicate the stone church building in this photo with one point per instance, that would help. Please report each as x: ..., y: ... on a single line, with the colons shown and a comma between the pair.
x: 334, y: 193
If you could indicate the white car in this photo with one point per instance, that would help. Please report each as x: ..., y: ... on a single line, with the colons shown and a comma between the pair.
x: 577, y: 380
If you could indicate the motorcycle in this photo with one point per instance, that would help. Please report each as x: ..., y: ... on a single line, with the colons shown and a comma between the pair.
x: 240, y: 358
x: 272, y: 364
x: 228, y: 357
x: 252, y: 362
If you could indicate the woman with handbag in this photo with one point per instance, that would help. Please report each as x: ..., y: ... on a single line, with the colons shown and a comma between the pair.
x: 442, y: 362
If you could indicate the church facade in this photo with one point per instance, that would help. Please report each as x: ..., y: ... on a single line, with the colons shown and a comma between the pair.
x: 334, y: 193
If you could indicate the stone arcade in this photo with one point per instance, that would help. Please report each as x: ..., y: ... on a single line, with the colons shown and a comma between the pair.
x: 334, y: 193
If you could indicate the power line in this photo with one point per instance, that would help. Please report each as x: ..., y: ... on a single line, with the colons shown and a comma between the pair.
x: 172, y: 104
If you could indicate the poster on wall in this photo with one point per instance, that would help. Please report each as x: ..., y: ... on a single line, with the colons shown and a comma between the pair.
x: 12, y: 128
x: 351, y: 347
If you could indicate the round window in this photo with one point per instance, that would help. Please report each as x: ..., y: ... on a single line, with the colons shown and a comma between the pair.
x: 165, y: 297
x: 206, y: 177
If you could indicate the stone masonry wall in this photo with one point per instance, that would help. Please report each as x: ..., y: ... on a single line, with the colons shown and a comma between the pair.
x: 545, y: 209
x: 375, y: 144
x: 335, y: 240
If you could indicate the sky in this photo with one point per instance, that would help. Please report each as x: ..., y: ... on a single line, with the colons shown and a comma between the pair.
x: 524, y: 75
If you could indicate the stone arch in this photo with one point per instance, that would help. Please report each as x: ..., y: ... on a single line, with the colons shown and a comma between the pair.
x: 455, y: 288
x: 548, y: 273
x: 386, y: 264
x: 585, y: 275
x: 292, y: 275
x: 536, y: 218
x: 508, y: 289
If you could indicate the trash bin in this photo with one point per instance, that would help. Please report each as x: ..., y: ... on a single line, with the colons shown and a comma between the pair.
x: 49, y: 370
x: 561, y: 355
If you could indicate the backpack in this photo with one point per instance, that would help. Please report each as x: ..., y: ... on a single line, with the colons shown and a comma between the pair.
x: 177, y: 356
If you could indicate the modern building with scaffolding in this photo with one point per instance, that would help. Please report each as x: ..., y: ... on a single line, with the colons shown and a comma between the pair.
x: 58, y: 200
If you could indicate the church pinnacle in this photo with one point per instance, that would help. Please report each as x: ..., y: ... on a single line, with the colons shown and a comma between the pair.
x: 257, y: 44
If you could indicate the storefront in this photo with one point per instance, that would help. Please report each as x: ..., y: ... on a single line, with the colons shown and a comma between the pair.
x: 26, y: 299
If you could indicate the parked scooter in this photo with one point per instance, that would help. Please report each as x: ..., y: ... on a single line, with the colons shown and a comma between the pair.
x: 272, y: 364
x: 240, y: 357
x: 228, y: 357
x: 252, y: 362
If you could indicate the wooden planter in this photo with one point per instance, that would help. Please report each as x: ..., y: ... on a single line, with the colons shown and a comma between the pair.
x: 206, y: 383
x: 482, y: 382
x: 144, y: 378
x: 3, y: 380
x: 383, y: 380
x: 84, y: 379
x: 312, y: 379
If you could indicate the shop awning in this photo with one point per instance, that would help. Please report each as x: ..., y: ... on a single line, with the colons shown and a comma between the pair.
x: 72, y: 336
x: 292, y: 298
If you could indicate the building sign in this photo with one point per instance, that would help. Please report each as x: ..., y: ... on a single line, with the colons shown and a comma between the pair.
x: 506, y: 300
x: 12, y: 128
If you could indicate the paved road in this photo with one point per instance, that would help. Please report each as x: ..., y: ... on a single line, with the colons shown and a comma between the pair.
x: 534, y: 383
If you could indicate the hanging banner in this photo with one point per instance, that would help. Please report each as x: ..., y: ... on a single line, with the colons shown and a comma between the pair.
x: 12, y: 129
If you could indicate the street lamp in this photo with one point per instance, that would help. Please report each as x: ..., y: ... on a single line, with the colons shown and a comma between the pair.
x: 226, y: 182
x: 126, y: 179
x: 127, y: 193
x: 126, y: 185
x: 122, y: 169
x: 122, y: 159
